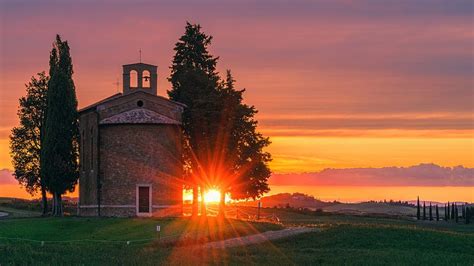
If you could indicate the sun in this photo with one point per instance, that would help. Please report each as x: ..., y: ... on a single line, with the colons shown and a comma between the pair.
x: 212, y: 196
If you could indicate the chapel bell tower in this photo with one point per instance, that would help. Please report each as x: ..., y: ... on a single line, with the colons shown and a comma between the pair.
x: 139, y: 77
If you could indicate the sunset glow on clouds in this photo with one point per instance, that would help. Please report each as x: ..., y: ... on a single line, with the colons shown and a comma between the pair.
x: 338, y: 84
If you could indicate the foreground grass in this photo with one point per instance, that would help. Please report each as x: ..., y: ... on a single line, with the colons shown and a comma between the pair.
x: 342, y: 240
x: 126, y: 229
x: 363, y: 245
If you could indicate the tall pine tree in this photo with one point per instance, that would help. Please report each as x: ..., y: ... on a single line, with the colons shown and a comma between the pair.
x: 418, y: 208
x: 224, y: 149
x: 59, y: 153
x: 25, y: 140
x: 242, y: 157
x: 194, y: 82
x: 448, y: 208
x: 437, y: 212
x: 452, y: 211
x: 446, y: 212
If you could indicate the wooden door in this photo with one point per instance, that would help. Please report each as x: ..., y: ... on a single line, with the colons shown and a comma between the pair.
x: 144, y: 199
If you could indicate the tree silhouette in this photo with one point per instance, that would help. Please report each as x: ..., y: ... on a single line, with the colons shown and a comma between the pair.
x: 59, y: 153
x: 446, y: 215
x: 25, y: 140
x: 437, y: 212
x: 194, y: 82
x: 452, y: 211
x: 418, y: 208
x: 447, y: 209
x: 242, y: 162
x: 224, y: 149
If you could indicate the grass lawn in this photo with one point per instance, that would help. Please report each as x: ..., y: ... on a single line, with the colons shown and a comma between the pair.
x: 72, y: 240
x: 342, y: 240
x: 363, y: 245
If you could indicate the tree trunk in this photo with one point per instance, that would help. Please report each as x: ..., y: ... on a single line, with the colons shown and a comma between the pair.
x: 57, y: 205
x: 44, y: 200
x: 203, y: 203
x: 195, y: 207
x: 53, y: 205
x: 222, y: 205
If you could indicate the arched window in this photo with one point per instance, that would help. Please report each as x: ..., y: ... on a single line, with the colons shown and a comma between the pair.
x: 133, y: 79
x: 146, y: 79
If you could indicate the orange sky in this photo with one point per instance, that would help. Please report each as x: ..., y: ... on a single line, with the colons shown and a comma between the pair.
x: 338, y: 84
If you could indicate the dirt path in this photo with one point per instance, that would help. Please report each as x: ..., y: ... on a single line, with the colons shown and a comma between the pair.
x: 259, y: 238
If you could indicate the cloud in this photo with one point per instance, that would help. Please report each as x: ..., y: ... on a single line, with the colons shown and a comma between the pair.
x: 351, y: 122
x: 315, y: 56
x: 6, y: 177
x: 418, y: 175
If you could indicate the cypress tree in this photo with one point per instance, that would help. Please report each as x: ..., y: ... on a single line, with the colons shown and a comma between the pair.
x: 452, y: 211
x: 448, y: 207
x: 446, y: 213
x: 242, y: 155
x: 194, y: 81
x: 437, y: 212
x: 224, y: 148
x: 59, y: 153
x: 418, y: 208
x: 456, y: 213
x: 424, y: 211
x: 463, y: 211
x: 431, y: 213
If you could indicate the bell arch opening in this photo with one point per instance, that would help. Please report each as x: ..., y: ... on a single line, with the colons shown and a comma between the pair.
x: 133, y: 79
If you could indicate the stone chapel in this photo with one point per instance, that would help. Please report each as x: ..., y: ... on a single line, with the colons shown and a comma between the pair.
x: 130, y: 151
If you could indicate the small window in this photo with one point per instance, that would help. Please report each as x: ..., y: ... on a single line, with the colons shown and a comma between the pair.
x: 133, y: 79
x: 140, y: 103
x: 146, y: 79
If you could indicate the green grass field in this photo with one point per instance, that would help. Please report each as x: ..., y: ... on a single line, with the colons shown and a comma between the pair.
x: 343, y: 239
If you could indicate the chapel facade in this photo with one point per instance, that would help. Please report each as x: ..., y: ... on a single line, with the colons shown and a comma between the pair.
x: 130, y: 151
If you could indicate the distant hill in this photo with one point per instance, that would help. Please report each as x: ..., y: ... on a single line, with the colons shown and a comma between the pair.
x: 282, y: 200
x: 300, y: 200
x: 364, y: 208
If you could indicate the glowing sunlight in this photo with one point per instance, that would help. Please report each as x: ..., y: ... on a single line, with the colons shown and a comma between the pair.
x: 212, y: 196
